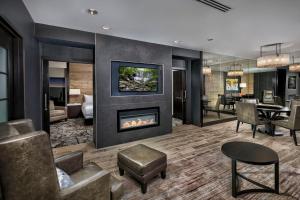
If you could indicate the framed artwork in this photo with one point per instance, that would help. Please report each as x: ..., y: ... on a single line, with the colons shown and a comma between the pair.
x: 292, y: 82
x: 232, y: 85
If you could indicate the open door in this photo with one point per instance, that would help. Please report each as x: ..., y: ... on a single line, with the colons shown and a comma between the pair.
x: 179, y: 95
x: 46, y: 113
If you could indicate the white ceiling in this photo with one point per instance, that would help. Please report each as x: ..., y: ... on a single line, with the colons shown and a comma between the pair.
x: 240, y: 32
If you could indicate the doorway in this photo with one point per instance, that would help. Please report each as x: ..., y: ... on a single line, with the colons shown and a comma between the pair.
x: 11, y: 74
x: 179, y: 97
x: 68, y: 102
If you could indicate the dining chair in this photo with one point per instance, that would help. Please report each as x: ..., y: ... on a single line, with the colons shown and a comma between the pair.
x: 292, y: 123
x: 247, y: 113
x: 216, y: 108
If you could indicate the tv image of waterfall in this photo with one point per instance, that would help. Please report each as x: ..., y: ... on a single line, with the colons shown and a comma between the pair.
x: 138, y: 79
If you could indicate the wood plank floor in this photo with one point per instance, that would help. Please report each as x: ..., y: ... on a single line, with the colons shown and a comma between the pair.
x: 196, y: 167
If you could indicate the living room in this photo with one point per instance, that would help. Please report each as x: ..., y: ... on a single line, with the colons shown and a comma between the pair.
x: 150, y: 100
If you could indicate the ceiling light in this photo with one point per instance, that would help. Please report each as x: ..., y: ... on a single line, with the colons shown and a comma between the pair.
x: 92, y: 11
x: 106, y: 28
x: 275, y: 60
x: 206, y: 70
x: 295, y: 67
x: 236, y: 71
x: 177, y: 41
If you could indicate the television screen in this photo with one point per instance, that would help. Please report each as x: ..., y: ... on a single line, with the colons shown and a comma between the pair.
x: 138, y: 79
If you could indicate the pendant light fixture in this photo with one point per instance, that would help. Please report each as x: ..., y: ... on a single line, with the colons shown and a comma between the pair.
x: 237, y: 71
x: 295, y: 67
x: 206, y: 70
x: 275, y: 60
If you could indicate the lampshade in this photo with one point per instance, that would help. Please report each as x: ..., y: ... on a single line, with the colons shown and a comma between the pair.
x: 273, y: 60
x: 243, y: 85
x: 74, y: 92
x: 294, y: 67
x: 235, y: 73
x: 206, y: 70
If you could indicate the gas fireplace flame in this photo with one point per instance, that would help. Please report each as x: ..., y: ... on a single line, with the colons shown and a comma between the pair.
x: 137, y: 123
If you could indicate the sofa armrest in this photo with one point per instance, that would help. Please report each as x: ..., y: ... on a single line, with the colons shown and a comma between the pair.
x: 96, y: 187
x: 71, y: 162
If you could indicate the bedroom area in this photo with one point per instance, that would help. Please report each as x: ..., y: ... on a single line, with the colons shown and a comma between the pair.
x: 70, y: 102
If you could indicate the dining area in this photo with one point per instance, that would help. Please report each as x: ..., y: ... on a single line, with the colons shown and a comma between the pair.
x: 269, y: 118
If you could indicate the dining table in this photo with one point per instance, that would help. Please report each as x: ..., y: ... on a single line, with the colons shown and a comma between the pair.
x: 270, y: 112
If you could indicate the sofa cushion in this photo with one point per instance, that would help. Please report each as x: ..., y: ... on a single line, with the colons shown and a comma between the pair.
x: 54, y: 113
x: 141, y: 158
x: 64, y: 179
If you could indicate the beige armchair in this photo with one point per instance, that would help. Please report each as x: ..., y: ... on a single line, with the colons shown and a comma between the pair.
x: 57, y: 113
x: 247, y: 113
x: 28, y: 170
x: 292, y: 123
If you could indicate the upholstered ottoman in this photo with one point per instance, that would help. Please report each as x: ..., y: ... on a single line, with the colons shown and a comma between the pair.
x: 143, y: 163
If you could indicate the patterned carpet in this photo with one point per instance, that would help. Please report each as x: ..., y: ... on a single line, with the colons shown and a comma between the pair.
x: 70, y: 132
x: 196, y: 167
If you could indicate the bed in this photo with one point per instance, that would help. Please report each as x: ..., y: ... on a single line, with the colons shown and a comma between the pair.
x: 87, y: 108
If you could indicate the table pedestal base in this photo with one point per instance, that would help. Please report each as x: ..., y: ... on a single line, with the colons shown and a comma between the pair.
x: 235, y: 182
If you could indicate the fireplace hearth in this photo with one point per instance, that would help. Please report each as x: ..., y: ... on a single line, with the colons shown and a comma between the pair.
x: 138, y: 118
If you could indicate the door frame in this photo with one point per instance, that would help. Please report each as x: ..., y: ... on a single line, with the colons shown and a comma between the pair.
x: 16, y: 74
x: 184, y: 93
x: 45, y: 90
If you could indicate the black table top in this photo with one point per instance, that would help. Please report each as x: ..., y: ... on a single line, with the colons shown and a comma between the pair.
x: 250, y: 153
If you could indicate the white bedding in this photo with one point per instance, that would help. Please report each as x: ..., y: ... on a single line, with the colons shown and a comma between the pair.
x: 87, y: 110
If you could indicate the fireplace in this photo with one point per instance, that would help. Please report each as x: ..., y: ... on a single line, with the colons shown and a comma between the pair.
x: 138, y: 118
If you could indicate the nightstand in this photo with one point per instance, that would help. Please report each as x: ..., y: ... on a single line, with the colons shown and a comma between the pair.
x: 74, y: 110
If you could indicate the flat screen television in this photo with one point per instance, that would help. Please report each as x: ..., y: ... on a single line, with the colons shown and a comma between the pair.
x: 138, y: 79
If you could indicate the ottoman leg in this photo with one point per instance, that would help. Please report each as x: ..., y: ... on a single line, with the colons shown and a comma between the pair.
x: 121, y: 171
x: 144, y: 187
x: 163, y: 174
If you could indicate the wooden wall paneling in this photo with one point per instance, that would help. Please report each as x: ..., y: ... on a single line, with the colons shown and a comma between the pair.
x: 80, y: 77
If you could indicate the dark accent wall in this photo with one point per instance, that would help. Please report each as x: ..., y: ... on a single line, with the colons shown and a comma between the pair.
x: 64, y: 36
x: 189, y: 56
x: 66, y: 53
x: 196, y: 91
x: 264, y: 81
x: 16, y: 15
x: 109, y: 49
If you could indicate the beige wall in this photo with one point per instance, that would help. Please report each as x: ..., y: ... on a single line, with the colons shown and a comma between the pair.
x: 249, y: 80
x: 80, y: 77
x: 214, y: 85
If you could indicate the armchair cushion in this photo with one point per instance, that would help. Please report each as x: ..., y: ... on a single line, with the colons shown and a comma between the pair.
x: 54, y: 113
x: 64, y: 179
x: 71, y: 162
x: 96, y: 187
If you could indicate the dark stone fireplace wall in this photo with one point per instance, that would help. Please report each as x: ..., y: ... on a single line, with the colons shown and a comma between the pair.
x: 109, y: 49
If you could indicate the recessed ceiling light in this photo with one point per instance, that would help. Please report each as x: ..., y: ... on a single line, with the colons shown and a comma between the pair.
x: 92, y: 11
x: 105, y: 27
x: 210, y: 39
x: 178, y: 42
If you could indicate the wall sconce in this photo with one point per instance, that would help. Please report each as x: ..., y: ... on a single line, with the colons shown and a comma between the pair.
x: 74, y: 92
x: 243, y: 85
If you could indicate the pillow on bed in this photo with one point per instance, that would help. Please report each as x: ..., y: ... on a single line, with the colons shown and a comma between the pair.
x: 88, y: 99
